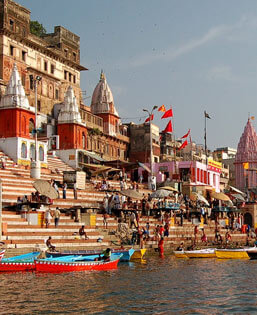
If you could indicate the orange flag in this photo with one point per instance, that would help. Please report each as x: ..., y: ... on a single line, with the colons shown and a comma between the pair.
x: 162, y: 109
x: 168, y: 127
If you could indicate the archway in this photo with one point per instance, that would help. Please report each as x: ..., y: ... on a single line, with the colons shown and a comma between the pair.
x: 248, y: 219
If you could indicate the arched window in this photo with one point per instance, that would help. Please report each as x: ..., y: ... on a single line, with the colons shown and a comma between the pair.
x: 32, y: 152
x: 24, y: 150
x: 83, y: 140
x: 41, y: 153
x: 31, y: 125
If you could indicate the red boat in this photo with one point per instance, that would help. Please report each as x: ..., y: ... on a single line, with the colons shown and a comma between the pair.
x: 17, y: 266
x: 62, y: 266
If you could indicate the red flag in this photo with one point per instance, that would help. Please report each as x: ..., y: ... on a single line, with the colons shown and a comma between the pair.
x: 183, y: 145
x: 168, y: 127
x: 162, y: 109
x: 168, y: 113
x: 186, y: 135
x: 148, y: 119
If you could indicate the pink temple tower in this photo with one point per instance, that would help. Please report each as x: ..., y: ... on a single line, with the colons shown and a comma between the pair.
x: 246, y: 153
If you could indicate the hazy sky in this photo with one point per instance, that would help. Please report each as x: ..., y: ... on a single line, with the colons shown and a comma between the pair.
x: 194, y: 55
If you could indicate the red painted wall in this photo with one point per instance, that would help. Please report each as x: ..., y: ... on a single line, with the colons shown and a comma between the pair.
x: 70, y: 136
x: 14, y: 122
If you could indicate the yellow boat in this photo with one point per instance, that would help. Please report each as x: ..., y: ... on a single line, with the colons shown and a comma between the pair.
x: 180, y: 254
x: 238, y: 253
x: 201, y: 253
x: 138, y: 253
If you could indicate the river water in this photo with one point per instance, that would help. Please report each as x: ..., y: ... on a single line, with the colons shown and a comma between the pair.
x: 156, y: 286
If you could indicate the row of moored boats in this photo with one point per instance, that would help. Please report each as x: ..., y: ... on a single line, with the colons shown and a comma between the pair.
x: 226, y: 253
x: 68, y: 261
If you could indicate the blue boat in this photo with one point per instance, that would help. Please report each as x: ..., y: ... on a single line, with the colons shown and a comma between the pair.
x: 30, y: 257
x: 90, y: 255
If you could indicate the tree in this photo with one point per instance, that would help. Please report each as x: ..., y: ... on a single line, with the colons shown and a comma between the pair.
x: 94, y: 132
x: 37, y: 29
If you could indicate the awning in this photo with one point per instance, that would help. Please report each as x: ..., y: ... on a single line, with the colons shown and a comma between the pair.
x: 238, y: 197
x: 199, y: 197
x: 237, y: 190
x: 220, y: 196
x: 93, y: 155
x: 121, y: 164
x: 92, y: 167
x: 146, y: 168
x: 105, y: 169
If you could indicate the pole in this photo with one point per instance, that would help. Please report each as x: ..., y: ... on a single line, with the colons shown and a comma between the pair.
x: 151, y: 147
x: 1, y: 205
x: 205, y: 138
x: 35, y: 85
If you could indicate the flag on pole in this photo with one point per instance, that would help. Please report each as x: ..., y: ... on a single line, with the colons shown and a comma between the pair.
x: 183, y: 145
x: 186, y: 135
x: 168, y: 113
x: 206, y: 115
x: 246, y: 165
x: 168, y: 127
x: 148, y: 119
x: 252, y: 117
x: 162, y: 109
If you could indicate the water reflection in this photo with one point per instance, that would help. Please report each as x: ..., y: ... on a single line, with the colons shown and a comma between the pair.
x: 167, y: 285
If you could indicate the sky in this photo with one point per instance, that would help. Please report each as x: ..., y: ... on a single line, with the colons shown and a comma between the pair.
x: 193, y: 56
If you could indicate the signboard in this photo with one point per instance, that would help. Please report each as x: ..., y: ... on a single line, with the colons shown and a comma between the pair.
x: 214, y: 166
x: 163, y: 168
x: 71, y: 177
x: 72, y: 157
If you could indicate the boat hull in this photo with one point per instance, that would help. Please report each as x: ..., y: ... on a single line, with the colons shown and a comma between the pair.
x: 138, y: 253
x: 252, y: 254
x: 202, y: 253
x: 58, y: 267
x: 232, y: 254
x: 18, y: 266
x: 180, y: 254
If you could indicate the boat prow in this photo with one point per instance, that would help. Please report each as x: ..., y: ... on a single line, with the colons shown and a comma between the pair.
x: 138, y: 253
x: 235, y: 253
x: 180, y: 254
x: 201, y: 253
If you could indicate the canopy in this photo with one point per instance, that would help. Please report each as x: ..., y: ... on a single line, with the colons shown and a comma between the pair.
x: 131, y: 193
x: 160, y: 193
x: 220, y: 196
x: 146, y: 168
x: 237, y: 190
x: 239, y: 197
x: 45, y: 189
x: 200, y: 198
x: 93, y: 155
x: 168, y: 188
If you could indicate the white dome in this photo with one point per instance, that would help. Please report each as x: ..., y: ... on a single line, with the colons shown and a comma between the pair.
x: 102, y: 98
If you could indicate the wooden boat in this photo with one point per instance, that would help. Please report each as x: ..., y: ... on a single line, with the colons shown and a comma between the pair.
x: 180, y: 254
x: 125, y: 253
x: 237, y: 253
x: 62, y: 266
x: 138, y: 253
x: 201, y: 253
x: 19, y: 263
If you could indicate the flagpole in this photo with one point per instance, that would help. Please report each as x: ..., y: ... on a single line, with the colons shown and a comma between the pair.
x: 174, y: 145
x: 205, y: 139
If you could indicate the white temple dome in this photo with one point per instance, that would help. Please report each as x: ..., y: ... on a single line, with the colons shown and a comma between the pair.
x: 102, y: 99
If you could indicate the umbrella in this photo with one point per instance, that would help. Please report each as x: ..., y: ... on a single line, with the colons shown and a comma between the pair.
x: 237, y: 191
x: 45, y: 189
x: 169, y: 188
x: 220, y: 196
x: 200, y: 198
x: 160, y: 193
x: 131, y: 193
x: 238, y: 197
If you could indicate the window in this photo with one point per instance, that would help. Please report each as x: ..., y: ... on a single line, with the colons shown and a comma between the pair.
x: 11, y: 24
x: 24, y: 150
x: 41, y: 153
x: 31, y: 125
x: 11, y: 50
x: 65, y: 74
x: 83, y: 141
x: 52, y: 68
x: 23, y: 55
x: 74, y: 79
x: 66, y: 52
x: 56, y: 94
x: 45, y: 65
x: 32, y: 152
x: 39, y: 106
x: 74, y: 56
x: 23, y: 79
x: 70, y: 76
